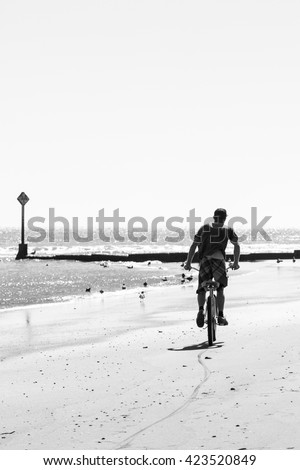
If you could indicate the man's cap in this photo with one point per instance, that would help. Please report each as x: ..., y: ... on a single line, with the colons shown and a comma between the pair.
x: 220, y: 213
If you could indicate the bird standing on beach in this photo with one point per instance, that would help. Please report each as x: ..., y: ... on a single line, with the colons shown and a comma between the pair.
x: 104, y: 264
x: 88, y: 289
x: 123, y: 286
x: 101, y: 291
x: 279, y: 260
x: 294, y: 259
x: 145, y: 284
x: 142, y: 295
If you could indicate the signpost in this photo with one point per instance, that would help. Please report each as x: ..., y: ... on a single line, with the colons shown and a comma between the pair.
x: 22, y: 253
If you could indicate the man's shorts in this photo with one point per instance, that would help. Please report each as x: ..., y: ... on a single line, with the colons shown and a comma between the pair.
x: 213, y: 268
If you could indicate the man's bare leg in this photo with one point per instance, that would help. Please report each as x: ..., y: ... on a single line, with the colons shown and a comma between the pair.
x: 201, y: 299
x: 201, y: 302
x: 220, y: 303
x: 220, y: 299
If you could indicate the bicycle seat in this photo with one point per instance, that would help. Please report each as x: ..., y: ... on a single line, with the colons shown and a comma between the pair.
x: 210, y: 284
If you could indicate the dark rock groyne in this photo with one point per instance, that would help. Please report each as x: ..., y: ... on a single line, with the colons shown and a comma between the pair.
x: 164, y: 257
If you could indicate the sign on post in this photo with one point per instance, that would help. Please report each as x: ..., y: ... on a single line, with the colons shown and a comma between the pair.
x: 23, y: 199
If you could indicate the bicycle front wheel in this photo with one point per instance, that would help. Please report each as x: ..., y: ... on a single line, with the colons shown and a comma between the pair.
x: 211, y: 320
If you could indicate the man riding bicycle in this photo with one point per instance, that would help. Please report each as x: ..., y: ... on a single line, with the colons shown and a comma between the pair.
x: 211, y: 240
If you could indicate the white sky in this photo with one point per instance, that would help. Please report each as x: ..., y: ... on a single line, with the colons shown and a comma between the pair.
x: 152, y: 106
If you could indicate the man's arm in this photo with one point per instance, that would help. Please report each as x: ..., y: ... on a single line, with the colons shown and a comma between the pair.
x: 190, y: 256
x: 236, y: 253
x: 196, y: 243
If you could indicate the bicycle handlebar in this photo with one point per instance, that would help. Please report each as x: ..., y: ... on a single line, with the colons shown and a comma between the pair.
x: 229, y: 267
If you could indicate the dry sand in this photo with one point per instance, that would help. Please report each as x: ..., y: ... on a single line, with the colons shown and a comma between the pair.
x: 114, y: 372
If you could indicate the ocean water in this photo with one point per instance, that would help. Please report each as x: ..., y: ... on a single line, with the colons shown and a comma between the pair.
x: 27, y: 282
x: 36, y: 281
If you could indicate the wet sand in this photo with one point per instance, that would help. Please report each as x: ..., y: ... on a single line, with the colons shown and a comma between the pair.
x: 116, y: 372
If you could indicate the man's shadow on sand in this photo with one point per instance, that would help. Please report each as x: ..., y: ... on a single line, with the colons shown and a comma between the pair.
x: 197, y: 347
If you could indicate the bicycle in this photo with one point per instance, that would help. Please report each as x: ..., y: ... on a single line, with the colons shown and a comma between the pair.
x: 211, y: 308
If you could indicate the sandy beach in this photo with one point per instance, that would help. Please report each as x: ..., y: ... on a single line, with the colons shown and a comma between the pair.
x: 115, y: 372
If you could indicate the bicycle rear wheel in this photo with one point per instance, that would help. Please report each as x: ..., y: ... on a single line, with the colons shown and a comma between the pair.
x: 211, y: 320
